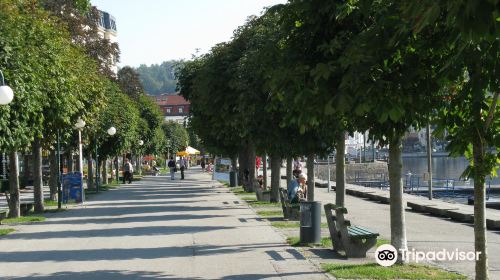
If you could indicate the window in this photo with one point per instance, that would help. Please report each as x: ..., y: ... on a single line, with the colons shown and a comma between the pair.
x: 180, y: 109
x: 168, y: 110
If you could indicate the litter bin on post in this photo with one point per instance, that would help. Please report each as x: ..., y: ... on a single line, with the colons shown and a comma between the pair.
x: 310, y: 222
x: 232, y: 178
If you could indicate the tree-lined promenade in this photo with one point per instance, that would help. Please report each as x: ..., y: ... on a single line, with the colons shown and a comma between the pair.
x: 296, y: 79
x: 293, y: 81
x: 60, y: 70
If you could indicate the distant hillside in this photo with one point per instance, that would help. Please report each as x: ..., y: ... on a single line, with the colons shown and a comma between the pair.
x: 158, y: 78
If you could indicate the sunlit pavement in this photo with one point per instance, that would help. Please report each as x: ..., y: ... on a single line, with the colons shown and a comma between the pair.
x: 154, y: 229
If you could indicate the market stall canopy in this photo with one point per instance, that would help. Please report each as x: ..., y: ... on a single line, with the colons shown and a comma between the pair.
x: 192, y: 151
x: 182, y: 153
x: 149, y: 157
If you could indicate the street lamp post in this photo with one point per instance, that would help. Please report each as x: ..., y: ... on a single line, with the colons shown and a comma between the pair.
x: 139, y: 166
x: 59, y: 172
x: 80, y: 124
x: 112, y: 131
x: 6, y: 93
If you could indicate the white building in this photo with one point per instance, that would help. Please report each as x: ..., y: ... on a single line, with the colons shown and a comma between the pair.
x: 107, y: 30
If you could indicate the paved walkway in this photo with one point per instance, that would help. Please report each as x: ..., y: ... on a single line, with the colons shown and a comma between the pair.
x: 154, y: 229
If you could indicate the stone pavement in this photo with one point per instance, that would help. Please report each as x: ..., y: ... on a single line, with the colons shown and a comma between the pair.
x: 154, y: 229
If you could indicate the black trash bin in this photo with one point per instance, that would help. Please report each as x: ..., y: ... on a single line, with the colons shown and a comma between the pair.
x: 310, y: 222
x: 232, y: 178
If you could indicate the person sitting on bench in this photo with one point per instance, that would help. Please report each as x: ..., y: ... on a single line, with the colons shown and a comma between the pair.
x: 297, y: 188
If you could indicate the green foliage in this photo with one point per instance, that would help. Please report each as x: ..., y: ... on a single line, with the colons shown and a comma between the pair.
x: 5, y: 231
x: 375, y: 271
x: 120, y: 113
x: 129, y: 82
x: 159, y: 78
x: 82, y: 21
x: 469, y: 79
x: 176, y: 136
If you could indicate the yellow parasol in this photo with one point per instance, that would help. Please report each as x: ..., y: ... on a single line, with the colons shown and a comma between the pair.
x: 182, y: 153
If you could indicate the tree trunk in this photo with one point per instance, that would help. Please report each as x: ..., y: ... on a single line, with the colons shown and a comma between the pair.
x: 69, y: 160
x: 14, y: 207
x: 117, y: 167
x: 234, y: 168
x: 53, y: 175
x: 264, y: 171
x: 242, y: 160
x: 275, y: 177
x: 289, y: 170
x: 90, y: 172
x: 251, y: 166
x: 340, y: 171
x: 26, y: 171
x: 479, y: 210
x: 310, y: 176
x: 398, y: 227
x: 38, y: 176
x: 104, y: 173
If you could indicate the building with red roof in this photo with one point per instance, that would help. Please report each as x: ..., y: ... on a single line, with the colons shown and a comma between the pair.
x: 173, y: 106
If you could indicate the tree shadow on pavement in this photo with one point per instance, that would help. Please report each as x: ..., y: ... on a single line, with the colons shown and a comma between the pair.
x: 102, y: 274
x: 115, y: 232
x: 134, y: 219
x: 117, y: 254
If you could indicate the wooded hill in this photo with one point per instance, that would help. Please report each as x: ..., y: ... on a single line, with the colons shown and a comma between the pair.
x: 159, y: 78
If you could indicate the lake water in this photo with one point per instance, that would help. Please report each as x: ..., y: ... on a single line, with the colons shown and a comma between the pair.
x: 442, y: 167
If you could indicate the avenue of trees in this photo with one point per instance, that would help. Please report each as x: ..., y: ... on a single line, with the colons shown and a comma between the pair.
x: 297, y: 79
x: 59, y: 68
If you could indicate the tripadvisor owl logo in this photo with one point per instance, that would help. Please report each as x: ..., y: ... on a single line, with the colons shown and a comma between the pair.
x: 386, y: 255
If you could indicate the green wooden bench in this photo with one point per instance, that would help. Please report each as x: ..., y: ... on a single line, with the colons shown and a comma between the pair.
x: 354, y: 241
x: 291, y: 211
x: 24, y: 206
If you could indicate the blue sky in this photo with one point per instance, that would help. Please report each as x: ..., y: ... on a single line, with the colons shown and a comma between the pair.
x: 152, y: 31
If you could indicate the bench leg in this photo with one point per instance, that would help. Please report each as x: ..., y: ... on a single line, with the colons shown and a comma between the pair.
x: 357, y: 248
x: 285, y: 212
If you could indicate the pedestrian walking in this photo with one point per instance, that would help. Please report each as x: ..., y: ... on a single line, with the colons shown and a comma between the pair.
x: 127, y: 171
x: 203, y: 164
x: 171, y: 166
x: 182, y: 166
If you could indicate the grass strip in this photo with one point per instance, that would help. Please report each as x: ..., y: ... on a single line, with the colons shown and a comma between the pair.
x: 294, y: 241
x: 53, y: 203
x: 5, y: 231
x: 270, y: 213
x: 382, y: 242
x: 375, y: 271
x: 24, y: 219
x: 291, y: 224
x: 326, y: 242
x: 238, y: 190
x: 264, y: 204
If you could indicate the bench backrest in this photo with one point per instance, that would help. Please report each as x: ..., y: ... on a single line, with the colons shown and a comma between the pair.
x: 284, y: 198
x: 338, y: 219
